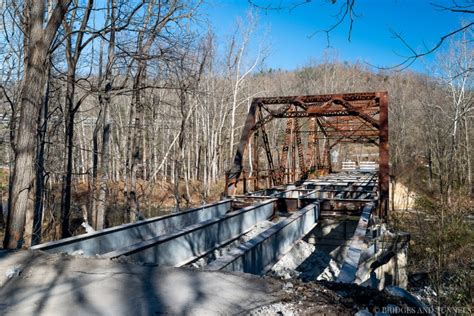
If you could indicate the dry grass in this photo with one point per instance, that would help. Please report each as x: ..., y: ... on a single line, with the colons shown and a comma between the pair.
x: 154, y: 199
x: 442, y: 245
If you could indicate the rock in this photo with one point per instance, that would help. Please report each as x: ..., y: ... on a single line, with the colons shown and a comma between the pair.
x: 287, y: 286
x: 305, y: 262
x: 285, y: 309
x: 88, y: 227
x: 78, y: 252
x: 13, y: 272
x: 330, y: 273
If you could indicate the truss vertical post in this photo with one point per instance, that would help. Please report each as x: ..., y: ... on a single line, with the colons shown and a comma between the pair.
x: 310, y: 148
x: 299, y: 145
x: 328, y: 155
x: 316, y: 147
x: 293, y: 153
x: 284, y: 166
x: 384, y: 168
x: 313, y: 146
x: 255, y: 161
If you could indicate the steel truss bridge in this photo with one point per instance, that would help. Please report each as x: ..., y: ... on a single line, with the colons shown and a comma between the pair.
x: 282, y: 171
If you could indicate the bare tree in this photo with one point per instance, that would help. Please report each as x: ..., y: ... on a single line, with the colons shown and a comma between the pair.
x: 98, y: 212
x: 74, y: 48
x: 235, y: 64
x: 158, y: 17
x: 39, y: 38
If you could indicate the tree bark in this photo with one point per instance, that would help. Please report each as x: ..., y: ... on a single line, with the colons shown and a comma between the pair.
x: 68, y: 159
x: 39, y: 194
x: 104, y: 100
x: 40, y: 39
x: 73, y: 52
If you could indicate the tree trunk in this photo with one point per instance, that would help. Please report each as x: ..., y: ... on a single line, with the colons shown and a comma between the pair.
x: 69, y: 145
x: 136, y: 114
x: 31, y: 98
x: 468, y: 155
x: 39, y: 194
x: 103, y: 172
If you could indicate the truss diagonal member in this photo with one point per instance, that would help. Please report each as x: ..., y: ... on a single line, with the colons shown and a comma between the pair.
x: 352, y: 135
x: 299, y: 146
x: 272, y: 114
x: 299, y: 102
x: 313, y: 145
x: 346, y: 132
x: 266, y: 144
x: 356, y: 111
x: 285, y: 148
x: 316, y: 147
x: 323, y: 130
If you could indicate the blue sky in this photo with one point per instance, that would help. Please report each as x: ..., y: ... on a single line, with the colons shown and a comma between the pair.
x: 289, y: 32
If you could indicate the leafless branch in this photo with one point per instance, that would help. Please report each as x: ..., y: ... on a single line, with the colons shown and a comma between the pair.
x: 346, y: 13
x: 454, y: 8
x: 409, y: 60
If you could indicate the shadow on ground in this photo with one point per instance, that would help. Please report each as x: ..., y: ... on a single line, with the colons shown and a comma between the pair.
x: 65, y: 285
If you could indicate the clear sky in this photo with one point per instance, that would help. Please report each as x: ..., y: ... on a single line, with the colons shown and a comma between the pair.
x: 289, y: 31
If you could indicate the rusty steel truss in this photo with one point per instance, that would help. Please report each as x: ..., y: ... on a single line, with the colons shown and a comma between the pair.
x: 314, y: 125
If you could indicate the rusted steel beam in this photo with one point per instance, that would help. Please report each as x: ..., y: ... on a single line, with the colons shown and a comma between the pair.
x: 255, y: 164
x: 384, y: 168
x: 336, y: 107
x: 285, y: 149
x: 330, y: 113
x: 293, y: 153
x: 349, y: 133
x: 319, y: 98
x: 313, y: 145
x: 367, y: 133
x: 312, y: 114
x: 355, y: 140
x: 299, y: 145
x: 236, y: 169
x: 268, y: 151
x: 361, y: 114
x: 327, y: 155
x: 270, y: 116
